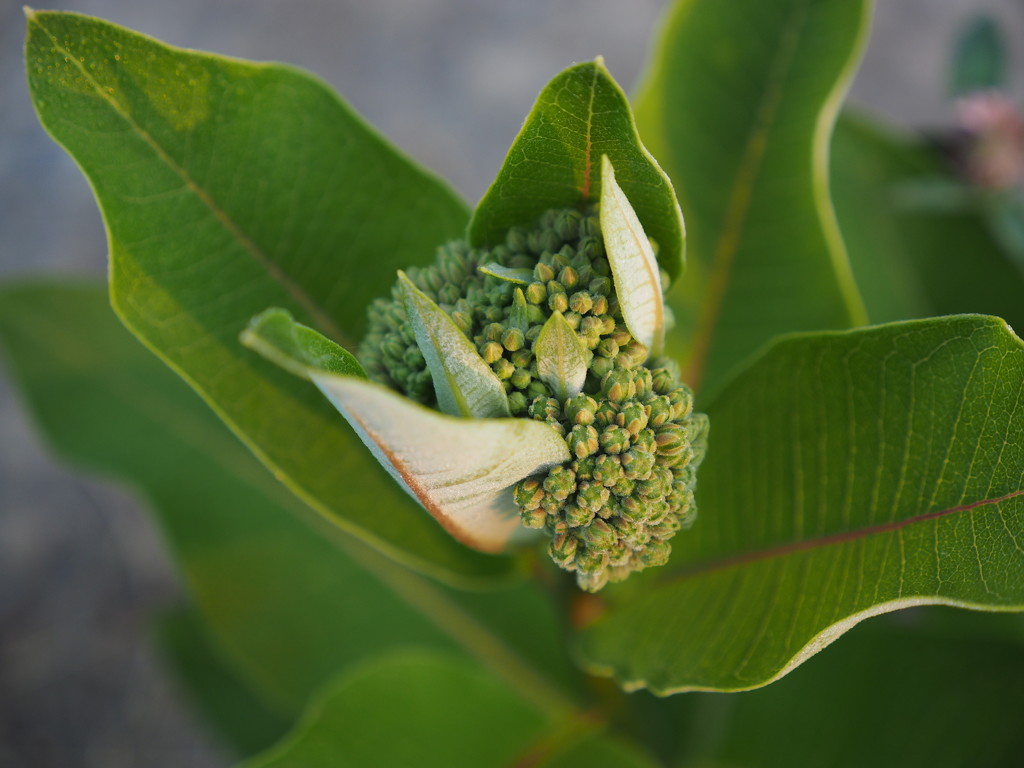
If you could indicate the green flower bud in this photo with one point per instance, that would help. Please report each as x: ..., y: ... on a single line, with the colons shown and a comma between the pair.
x: 637, y: 464
x: 537, y: 389
x: 599, y: 536
x: 563, y: 549
x: 632, y: 417
x: 589, y: 561
x: 658, y: 484
x: 601, y: 367
x: 463, y: 321
x: 545, y: 408
x: 568, y: 278
x: 584, y: 468
x: 513, y: 339
x: 660, y: 410
x: 617, y: 385
x: 560, y: 483
x: 582, y: 441
x: 528, y: 493
x: 493, y: 332
x: 491, y: 352
x: 521, y: 358
x: 607, y: 470
x: 591, y: 496
x: 605, y: 414
x: 543, y: 273
x: 590, y: 325
x: 682, y: 403
x: 557, y: 302
x: 536, y: 293
x: 567, y: 224
x: 503, y: 368
x: 614, y: 439
x: 607, y: 348
x: 521, y: 378
x: 655, y: 553
x: 600, y: 286
x: 576, y: 516
x: 517, y: 402
x: 533, y: 518
x: 580, y: 409
x: 671, y: 439
x: 592, y: 582
x: 516, y: 240
x: 624, y: 488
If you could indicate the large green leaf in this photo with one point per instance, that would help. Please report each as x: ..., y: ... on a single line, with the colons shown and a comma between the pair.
x: 228, y: 187
x: 450, y: 713
x: 225, y: 701
x: 738, y: 106
x: 849, y: 474
x: 911, y: 260
x: 287, y: 606
x: 892, y: 696
x: 555, y: 162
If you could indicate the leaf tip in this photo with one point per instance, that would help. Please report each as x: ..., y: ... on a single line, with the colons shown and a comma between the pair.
x: 30, y: 13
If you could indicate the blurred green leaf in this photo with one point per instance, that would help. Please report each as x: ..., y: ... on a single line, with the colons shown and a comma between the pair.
x: 450, y: 713
x: 891, y: 695
x: 228, y: 187
x: 288, y: 606
x: 979, y: 58
x: 738, y: 105
x: 225, y: 701
x: 555, y: 162
x: 848, y: 474
x: 910, y: 260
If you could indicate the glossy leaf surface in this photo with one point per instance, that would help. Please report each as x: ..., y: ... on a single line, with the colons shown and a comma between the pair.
x: 449, y: 713
x: 738, y: 106
x: 287, y: 603
x: 460, y: 469
x: 465, y: 385
x: 848, y: 475
x: 555, y: 162
x: 228, y: 187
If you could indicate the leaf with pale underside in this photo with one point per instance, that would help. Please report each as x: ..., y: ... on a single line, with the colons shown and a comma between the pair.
x: 634, y: 266
x: 554, y: 162
x: 288, y: 599
x: 561, y: 358
x: 849, y: 474
x: 460, y: 470
x: 228, y: 187
x: 520, y: 276
x: 464, y: 384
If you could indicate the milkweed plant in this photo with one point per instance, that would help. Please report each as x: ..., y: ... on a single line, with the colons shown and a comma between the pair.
x: 518, y: 450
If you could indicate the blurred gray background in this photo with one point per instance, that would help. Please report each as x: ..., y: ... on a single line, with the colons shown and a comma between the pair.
x: 82, y: 572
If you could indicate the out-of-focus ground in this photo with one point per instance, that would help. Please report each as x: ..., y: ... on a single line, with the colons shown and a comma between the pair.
x: 82, y: 571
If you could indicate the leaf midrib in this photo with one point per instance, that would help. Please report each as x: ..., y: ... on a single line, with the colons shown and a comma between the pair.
x: 842, y: 537
x: 728, y: 241
x: 297, y: 292
x: 453, y: 621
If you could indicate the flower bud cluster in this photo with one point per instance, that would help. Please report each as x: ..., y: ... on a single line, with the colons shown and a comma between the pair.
x: 560, y: 265
x: 389, y: 352
x: 636, y: 445
x: 631, y: 432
